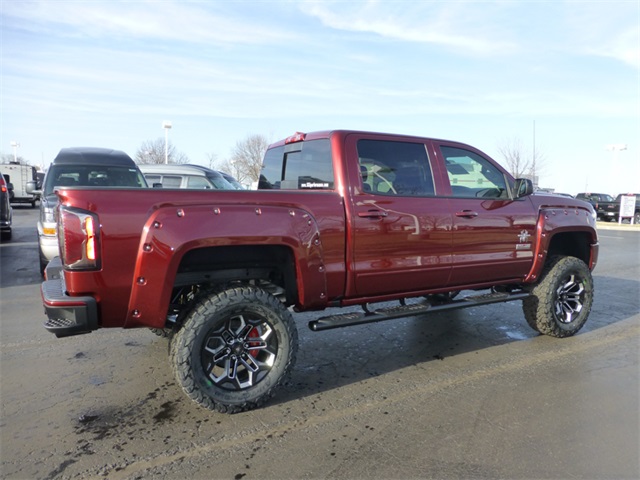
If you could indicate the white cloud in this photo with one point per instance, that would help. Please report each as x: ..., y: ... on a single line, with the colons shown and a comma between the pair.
x: 456, y: 25
x: 165, y: 20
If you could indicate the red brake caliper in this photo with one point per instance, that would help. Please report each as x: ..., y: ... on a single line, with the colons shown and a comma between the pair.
x: 253, y: 334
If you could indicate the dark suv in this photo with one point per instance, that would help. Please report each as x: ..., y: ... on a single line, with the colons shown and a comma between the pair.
x: 82, y: 167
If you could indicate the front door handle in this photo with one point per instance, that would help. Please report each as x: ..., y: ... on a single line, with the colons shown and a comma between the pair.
x: 372, y: 214
x: 467, y: 214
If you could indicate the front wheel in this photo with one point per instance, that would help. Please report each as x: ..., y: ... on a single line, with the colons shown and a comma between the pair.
x: 561, y: 301
x: 236, y: 347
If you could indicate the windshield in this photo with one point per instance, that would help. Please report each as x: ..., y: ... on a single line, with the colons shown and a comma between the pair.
x: 92, y: 176
x: 219, y: 181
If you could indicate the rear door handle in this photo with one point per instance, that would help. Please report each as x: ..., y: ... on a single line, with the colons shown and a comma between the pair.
x: 467, y: 214
x: 372, y: 214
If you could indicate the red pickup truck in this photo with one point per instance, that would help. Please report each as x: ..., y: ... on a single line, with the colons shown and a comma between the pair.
x: 340, y: 218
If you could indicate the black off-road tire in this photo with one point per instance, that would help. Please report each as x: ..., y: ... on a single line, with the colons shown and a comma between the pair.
x: 562, y: 299
x: 236, y: 348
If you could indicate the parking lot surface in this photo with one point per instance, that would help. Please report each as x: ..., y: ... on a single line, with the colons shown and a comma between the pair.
x: 470, y: 394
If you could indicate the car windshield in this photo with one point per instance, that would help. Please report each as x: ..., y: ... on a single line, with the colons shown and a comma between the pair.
x: 92, y: 176
x: 219, y: 181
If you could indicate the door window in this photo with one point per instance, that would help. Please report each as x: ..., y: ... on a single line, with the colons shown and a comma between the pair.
x: 471, y: 175
x: 395, y: 168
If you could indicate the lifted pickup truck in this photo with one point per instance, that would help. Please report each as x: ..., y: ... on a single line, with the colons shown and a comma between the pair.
x: 340, y: 218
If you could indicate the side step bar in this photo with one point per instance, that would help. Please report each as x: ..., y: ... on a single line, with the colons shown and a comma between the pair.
x: 402, y: 311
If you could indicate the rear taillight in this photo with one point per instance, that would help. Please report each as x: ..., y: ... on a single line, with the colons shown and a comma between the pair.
x: 79, y: 238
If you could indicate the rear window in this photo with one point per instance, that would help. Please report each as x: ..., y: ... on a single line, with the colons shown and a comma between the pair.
x: 92, y: 176
x: 298, y: 166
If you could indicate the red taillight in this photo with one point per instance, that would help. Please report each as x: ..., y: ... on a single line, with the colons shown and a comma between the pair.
x: 296, y: 137
x: 79, y: 238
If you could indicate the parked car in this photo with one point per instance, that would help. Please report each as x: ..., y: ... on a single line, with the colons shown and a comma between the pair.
x: 81, y: 166
x: 184, y: 176
x: 6, y: 212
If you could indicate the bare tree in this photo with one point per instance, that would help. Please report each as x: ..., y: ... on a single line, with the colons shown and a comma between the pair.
x: 9, y: 158
x: 212, y: 158
x: 246, y: 158
x: 152, y: 151
x: 519, y: 163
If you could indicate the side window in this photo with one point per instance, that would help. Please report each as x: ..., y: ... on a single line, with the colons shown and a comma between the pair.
x: 395, y: 168
x: 171, y: 181
x: 471, y: 175
x: 298, y: 166
x: 151, y: 179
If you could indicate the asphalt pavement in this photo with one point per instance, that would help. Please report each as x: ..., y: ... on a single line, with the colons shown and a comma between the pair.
x: 471, y: 394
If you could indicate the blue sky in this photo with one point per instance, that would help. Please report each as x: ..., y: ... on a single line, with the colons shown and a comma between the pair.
x: 107, y: 74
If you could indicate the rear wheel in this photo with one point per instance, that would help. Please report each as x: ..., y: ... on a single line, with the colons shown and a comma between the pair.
x: 236, y: 347
x: 562, y: 299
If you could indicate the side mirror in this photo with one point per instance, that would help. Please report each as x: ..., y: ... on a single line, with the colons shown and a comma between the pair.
x: 523, y: 187
x: 31, y: 187
x: 157, y: 185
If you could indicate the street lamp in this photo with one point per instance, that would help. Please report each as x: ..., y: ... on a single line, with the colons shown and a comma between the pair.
x: 15, y: 146
x: 166, y: 125
x: 615, y: 148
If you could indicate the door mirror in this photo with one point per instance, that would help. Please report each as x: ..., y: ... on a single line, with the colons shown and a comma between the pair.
x: 522, y: 187
x: 31, y: 187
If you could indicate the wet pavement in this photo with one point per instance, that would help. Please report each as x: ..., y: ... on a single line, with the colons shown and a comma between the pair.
x: 467, y: 394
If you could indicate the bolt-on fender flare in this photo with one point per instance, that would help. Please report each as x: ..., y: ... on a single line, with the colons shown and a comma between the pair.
x: 553, y: 221
x: 172, y: 231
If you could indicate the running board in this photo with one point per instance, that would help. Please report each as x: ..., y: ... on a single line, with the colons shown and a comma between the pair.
x: 402, y: 311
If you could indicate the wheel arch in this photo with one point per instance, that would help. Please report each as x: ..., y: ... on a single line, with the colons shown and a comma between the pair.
x: 195, y: 244
x: 564, y: 232
x: 275, y: 264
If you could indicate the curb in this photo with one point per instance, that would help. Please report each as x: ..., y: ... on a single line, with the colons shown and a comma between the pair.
x: 625, y: 227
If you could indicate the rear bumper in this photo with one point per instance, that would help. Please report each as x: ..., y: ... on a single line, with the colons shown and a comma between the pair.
x: 66, y: 315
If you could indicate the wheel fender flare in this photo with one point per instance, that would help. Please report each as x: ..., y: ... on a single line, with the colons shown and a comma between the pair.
x: 173, y: 230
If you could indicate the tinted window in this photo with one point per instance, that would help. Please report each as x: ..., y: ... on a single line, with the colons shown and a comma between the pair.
x: 298, y: 166
x: 395, y: 168
x: 92, y: 176
x: 471, y: 175
x: 219, y: 181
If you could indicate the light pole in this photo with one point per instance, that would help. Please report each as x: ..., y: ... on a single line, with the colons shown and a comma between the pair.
x: 166, y: 125
x: 15, y: 146
x: 614, y: 148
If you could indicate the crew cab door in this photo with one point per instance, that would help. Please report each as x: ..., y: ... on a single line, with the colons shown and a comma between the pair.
x: 400, y: 229
x: 493, y: 236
